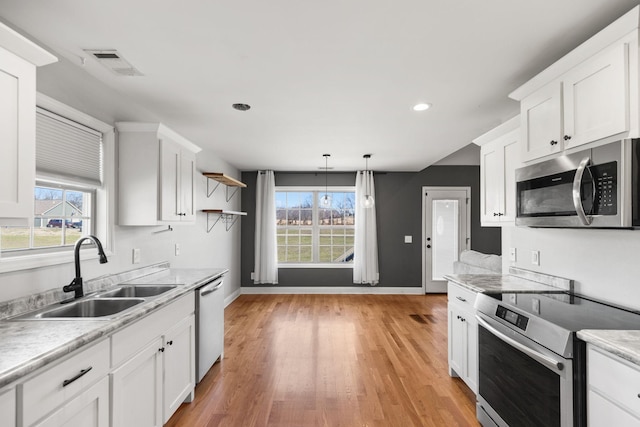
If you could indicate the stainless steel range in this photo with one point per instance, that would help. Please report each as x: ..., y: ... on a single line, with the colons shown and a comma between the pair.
x: 532, y: 367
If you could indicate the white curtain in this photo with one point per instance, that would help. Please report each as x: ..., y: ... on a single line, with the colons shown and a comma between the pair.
x: 365, y: 261
x: 266, y: 246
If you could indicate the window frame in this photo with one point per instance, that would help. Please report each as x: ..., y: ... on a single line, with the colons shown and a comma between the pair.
x: 103, y: 203
x: 316, y: 227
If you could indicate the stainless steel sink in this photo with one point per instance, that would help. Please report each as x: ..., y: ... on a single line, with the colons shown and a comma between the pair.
x: 94, y: 308
x: 136, y: 291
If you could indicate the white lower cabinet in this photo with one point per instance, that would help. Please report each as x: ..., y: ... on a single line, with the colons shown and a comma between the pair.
x: 137, y: 389
x: 56, y: 388
x: 88, y: 409
x: 8, y: 406
x: 613, y: 390
x: 463, y: 335
x: 137, y: 377
x: 155, y: 366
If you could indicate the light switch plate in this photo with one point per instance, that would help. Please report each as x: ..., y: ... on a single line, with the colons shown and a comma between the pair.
x: 177, y: 249
x: 512, y: 255
x: 408, y: 239
x: 535, y: 305
x: 135, y: 256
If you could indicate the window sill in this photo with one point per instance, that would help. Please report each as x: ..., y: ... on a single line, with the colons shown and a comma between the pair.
x: 28, y: 262
x: 312, y: 265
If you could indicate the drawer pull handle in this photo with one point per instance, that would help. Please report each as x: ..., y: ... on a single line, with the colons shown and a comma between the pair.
x: 170, y: 342
x: 461, y: 299
x: 81, y: 373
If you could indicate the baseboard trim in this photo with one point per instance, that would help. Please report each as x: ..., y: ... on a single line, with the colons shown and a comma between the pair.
x: 357, y: 290
x: 231, y: 298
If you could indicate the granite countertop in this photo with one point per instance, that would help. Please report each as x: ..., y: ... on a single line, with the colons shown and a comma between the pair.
x: 498, y: 283
x: 28, y: 345
x: 624, y: 344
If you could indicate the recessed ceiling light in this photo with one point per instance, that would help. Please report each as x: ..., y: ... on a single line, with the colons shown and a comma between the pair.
x: 421, y: 107
x: 241, y: 107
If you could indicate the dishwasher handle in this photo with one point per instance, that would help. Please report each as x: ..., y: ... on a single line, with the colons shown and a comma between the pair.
x: 206, y: 290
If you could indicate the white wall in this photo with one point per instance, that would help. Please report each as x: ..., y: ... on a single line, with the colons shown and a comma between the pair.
x: 67, y: 83
x: 605, y: 264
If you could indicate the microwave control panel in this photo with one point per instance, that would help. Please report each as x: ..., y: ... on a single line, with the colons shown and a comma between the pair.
x: 605, y: 178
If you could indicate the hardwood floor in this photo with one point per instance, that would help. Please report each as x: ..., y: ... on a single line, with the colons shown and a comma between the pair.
x: 332, y: 360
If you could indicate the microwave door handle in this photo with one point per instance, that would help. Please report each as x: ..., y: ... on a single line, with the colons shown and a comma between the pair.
x: 577, y: 184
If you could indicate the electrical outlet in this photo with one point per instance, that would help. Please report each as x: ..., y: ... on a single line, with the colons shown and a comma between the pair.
x: 512, y: 255
x: 535, y: 305
x: 535, y: 257
x: 177, y: 250
x: 408, y: 239
x: 135, y: 256
x: 252, y: 275
x: 513, y: 298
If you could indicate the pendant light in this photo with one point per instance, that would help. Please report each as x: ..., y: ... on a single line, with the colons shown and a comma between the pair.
x: 367, y: 201
x: 325, y: 201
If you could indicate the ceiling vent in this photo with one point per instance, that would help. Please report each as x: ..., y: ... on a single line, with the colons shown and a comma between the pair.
x: 111, y: 59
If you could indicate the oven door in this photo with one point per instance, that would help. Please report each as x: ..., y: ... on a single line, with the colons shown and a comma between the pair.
x: 520, y: 383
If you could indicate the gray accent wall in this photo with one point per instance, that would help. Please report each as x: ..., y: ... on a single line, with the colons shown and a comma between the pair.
x: 399, y: 213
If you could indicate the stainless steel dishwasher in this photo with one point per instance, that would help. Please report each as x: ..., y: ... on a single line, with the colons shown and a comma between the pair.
x: 209, y: 326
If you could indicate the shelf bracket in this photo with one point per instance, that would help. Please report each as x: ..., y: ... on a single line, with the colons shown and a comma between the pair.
x: 210, y: 227
x: 211, y: 191
x: 235, y: 190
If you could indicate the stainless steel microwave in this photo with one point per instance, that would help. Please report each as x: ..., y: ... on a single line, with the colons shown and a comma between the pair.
x: 595, y: 188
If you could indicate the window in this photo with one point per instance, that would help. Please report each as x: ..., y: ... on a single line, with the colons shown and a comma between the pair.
x: 310, y: 234
x: 61, y: 216
x: 72, y: 194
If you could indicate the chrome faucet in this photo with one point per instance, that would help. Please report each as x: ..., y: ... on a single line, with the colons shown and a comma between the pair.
x: 76, y: 284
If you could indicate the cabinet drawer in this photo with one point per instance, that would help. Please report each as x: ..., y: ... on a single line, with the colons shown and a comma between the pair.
x: 46, y: 391
x: 129, y: 341
x: 458, y: 294
x: 614, y: 378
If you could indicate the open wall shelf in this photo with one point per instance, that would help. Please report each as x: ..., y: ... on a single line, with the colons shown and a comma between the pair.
x: 228, y: 217
x: 221, y: 178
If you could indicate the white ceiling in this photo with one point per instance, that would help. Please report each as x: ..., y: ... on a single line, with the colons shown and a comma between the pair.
x: 331, y: 76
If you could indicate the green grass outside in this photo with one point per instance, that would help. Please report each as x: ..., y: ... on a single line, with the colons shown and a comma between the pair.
x: 18, y: 237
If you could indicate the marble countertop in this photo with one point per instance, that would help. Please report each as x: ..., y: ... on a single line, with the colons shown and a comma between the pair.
x: 28, y: 345
x: 624, y: 344
x: 498, y: 283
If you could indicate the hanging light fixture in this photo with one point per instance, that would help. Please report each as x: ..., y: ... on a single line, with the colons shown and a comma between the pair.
x: 325, y: 201
x: 367, y: 201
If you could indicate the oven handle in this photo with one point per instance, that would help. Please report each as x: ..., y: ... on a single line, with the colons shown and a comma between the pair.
x: 577, y: 183
x: 543, y: 359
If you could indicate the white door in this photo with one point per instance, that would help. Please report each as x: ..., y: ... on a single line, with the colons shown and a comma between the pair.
x: 445, y: 233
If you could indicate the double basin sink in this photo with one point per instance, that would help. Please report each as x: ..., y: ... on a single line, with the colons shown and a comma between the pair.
x: 100, y: 305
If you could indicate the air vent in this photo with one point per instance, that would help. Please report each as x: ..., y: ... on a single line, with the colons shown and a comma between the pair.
x: 111, y: 59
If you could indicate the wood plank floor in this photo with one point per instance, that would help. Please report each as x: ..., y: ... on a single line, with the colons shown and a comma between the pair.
x: 332, y: 360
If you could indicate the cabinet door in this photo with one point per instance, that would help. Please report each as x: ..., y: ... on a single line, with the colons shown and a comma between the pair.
x: 491, y: 182
x: 89, y: 409
x: 471, y: 353
x: 17, y: 138
x: 179, y: 365
x: 8, y: 406
x: 540, y: 115
x: 603, y: 412
x: 136, y: 392
x: 169, y: 181
x: 456, y: 342
x: 596, y: 98
x: 188, y: 185
x: 511, y: 153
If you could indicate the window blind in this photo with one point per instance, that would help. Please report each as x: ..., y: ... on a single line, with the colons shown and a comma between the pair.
x: 67, y: 150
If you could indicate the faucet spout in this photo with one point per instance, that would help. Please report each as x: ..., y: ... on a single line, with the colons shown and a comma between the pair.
x: 76, y: 283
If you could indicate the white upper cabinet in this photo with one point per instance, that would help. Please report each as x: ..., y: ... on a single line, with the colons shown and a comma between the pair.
x: 156, y: 175
x: 19, y: 58
x: 499, y: 157
x: 589, y: 95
